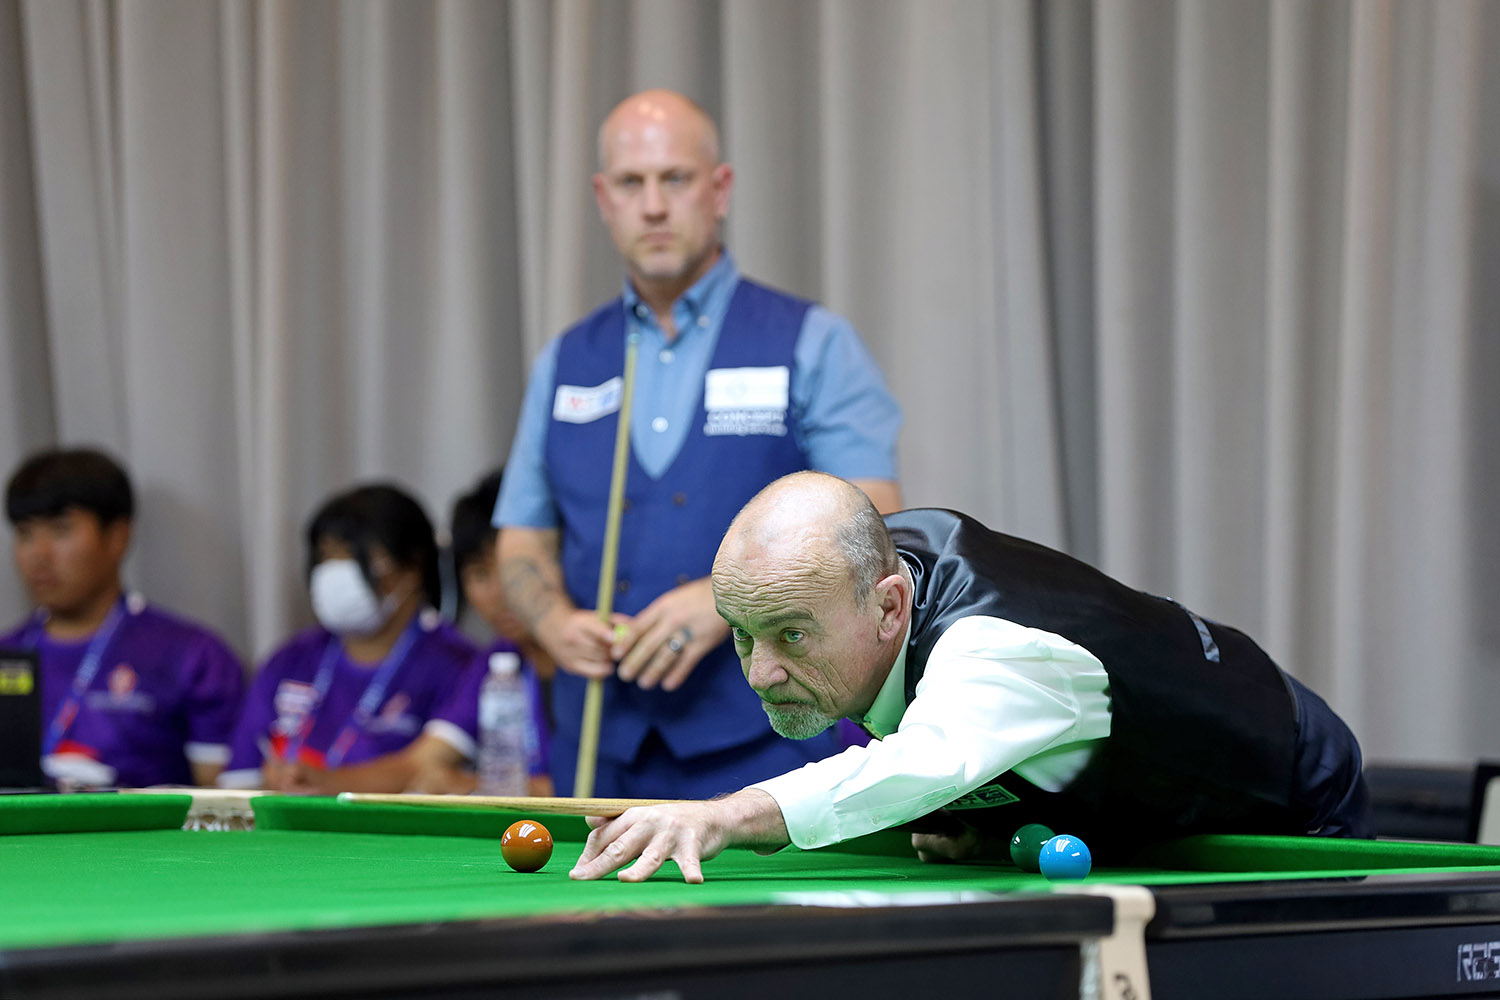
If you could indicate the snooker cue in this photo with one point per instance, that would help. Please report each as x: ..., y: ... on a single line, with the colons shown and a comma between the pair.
x: 939, y: 823
x: 593, y: 697
x: 541, y: 805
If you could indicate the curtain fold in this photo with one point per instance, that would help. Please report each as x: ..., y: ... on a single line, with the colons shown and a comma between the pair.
x: 1202, y: 291
x: 1308, y: 91
x: 26, y: 389
x: 69, y: 66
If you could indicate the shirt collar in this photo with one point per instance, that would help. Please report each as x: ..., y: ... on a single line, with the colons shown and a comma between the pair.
x: 884, y: 716
x: 708, y: 296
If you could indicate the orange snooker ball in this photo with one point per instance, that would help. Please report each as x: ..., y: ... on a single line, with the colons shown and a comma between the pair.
x: 526, y: 845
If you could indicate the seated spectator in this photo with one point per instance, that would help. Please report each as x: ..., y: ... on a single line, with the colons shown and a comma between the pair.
x: 474, y: 558
x: 479, y: 576
x: 378, y: 669
x: 131, y: 695
x: 442, y: 760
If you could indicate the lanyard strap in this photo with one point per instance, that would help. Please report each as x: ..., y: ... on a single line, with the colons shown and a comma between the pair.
x: 83, y: 677
x: 369, y: 701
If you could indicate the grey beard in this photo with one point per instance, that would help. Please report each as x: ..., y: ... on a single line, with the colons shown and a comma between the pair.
x: 803, y: 723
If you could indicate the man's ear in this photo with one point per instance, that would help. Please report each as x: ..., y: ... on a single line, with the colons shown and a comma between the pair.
x: 601, y: 196
x: 116, y: 536
x: 722, y: 178
x: 893, y: 597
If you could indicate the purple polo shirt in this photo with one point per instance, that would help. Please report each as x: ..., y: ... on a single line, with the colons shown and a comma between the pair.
x: 457, y: 723
x: 166, y: 694
x: 282, y: 699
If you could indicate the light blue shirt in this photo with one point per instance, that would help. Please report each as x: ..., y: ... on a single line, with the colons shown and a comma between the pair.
x: 846, y: 417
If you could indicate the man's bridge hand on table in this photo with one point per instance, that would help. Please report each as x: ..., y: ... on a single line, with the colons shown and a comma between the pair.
x: 688, y: 833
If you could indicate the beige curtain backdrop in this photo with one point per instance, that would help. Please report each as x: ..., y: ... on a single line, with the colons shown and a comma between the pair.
x: 1203, y: 291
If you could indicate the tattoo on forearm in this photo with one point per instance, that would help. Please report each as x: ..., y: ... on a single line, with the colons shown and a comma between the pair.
x: 529, y: 590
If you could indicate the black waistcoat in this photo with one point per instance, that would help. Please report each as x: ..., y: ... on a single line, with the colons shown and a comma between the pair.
x: 1203, y: 730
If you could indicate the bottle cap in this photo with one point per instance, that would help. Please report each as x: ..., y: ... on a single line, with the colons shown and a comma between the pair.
x: 504, y: 663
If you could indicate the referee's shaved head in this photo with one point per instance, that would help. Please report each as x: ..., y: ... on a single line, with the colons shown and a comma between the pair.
x: 663, y: 109
x: 806, y: 512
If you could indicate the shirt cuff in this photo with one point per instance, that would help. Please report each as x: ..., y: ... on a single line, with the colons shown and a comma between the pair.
x: 206, y: 753
x: 796, y: 811
x: 819, y: 808
x: 245, y: 778
x: 453, y: 735
x: 803, y: 798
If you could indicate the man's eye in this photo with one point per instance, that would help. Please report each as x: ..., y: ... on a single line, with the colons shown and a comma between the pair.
x: 629, y: 182
x: 792, y: 635
x: 738, y: 634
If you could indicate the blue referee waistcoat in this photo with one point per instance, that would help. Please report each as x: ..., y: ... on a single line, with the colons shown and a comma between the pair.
x: 671, y: 527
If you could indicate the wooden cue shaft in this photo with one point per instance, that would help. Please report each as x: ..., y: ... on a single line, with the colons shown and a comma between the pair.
x: 542, y: 806
x: 593, y: 697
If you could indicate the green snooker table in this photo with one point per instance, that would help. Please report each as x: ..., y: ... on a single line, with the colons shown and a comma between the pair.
x: 107, y: 895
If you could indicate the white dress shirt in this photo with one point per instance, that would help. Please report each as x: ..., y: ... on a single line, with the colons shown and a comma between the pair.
x: 996, y: 697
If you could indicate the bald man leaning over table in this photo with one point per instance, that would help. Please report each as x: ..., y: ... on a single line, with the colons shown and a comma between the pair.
x: 1009, y: 683
x: 736, y: 385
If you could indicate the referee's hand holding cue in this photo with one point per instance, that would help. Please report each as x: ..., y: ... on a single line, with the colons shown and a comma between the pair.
x: 662, y: 644
x: 578, y: 641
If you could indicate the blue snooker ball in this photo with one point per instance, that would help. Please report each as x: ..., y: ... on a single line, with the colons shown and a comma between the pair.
x: 1065, y: 857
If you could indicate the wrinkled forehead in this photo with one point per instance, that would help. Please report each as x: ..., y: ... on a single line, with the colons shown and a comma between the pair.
x: 752, y: 582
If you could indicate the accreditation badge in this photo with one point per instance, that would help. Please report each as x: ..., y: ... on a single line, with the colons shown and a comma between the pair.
x: 17, y: 678
x: 582, y: 404
x: 746, y: 401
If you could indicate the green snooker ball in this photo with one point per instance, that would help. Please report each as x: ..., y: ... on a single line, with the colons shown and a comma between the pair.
x: 1026, y: 846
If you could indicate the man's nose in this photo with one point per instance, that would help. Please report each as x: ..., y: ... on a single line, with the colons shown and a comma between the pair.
x: 764, y: 671
x: 653, y: 202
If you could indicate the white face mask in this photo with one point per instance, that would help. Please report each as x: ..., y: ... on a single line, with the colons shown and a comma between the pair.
x: 343, y: 601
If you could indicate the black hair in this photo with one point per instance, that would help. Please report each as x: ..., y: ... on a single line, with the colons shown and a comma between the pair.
x: 471, y: 525
x: 384, y: 515
x: 52, y: 481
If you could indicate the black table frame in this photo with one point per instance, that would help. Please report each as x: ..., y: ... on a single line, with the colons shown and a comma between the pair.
x: 1384, y: 936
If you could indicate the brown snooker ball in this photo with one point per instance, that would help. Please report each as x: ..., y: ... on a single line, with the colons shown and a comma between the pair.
x: 526, y: 845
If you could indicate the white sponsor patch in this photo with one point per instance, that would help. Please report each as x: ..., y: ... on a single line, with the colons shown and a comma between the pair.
x: 743, y: 401
x: 580, y: 404
x: 747, y: 388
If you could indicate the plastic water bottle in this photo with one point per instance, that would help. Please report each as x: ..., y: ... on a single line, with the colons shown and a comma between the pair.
x: 504, y: 721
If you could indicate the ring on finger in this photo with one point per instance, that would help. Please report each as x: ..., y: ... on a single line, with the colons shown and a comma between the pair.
x: 674, y: 644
